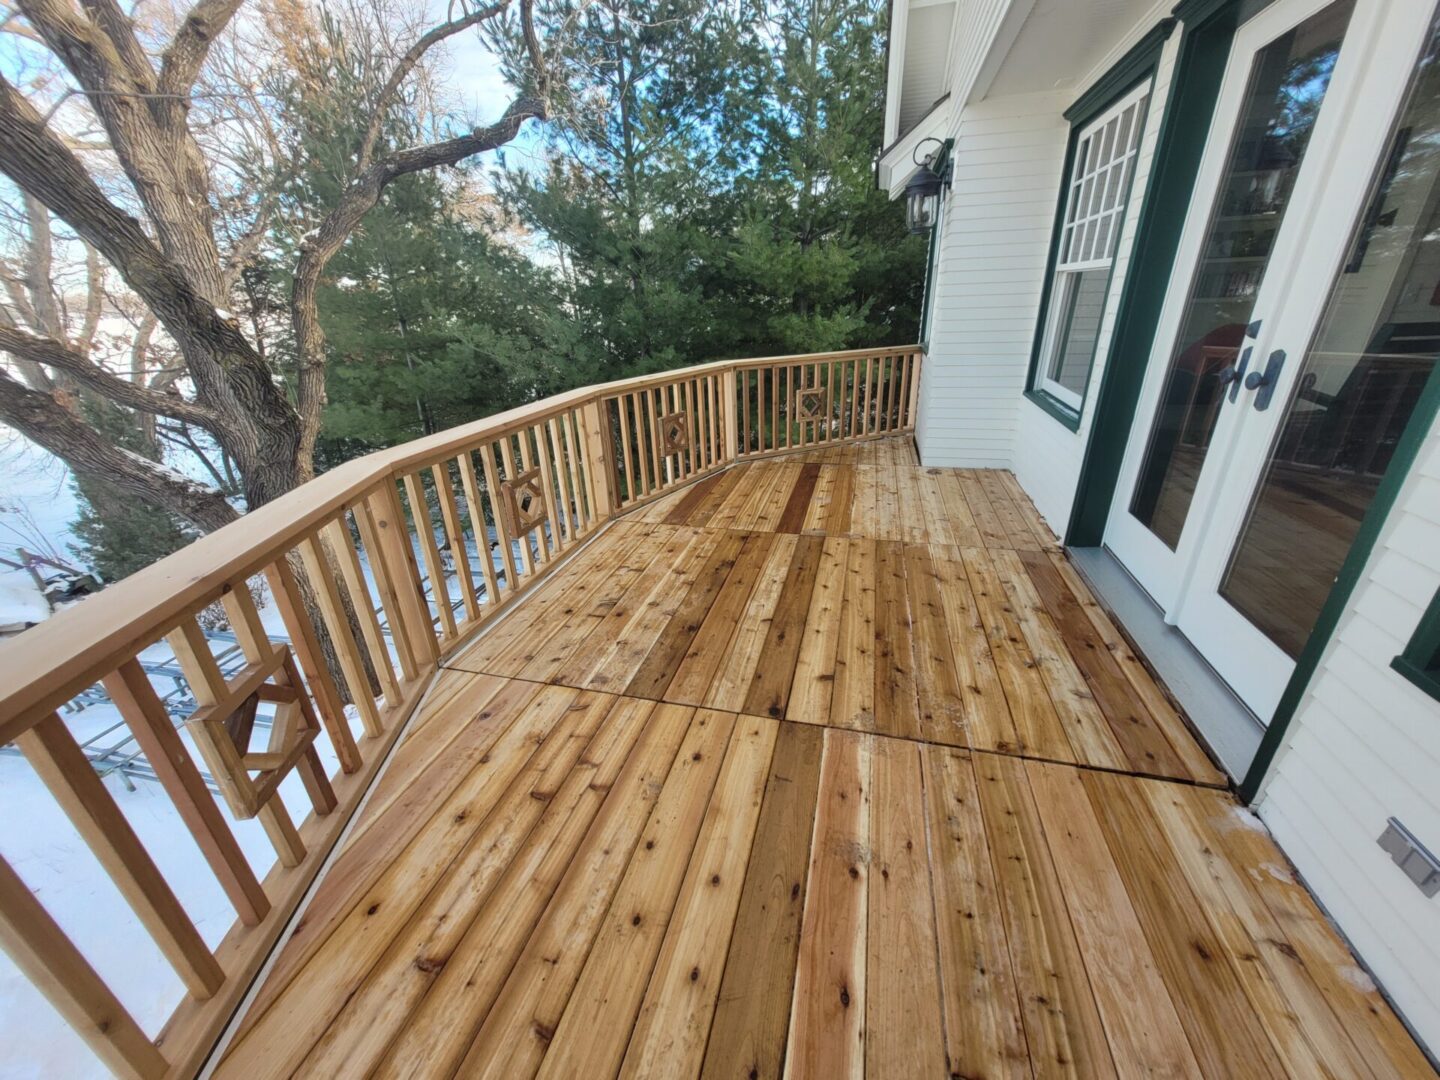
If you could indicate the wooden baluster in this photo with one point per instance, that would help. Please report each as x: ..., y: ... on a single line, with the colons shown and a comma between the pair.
x: 652, y: 428
x: 642, y: 457
x: 434, y: 569
x: 305, y: 644
x: 903, y: 420
x: 450, y: 515
x: 475, y: 507
x: 717, y: 430
x: 547, y: 485
x: 391, y: 589
x: 317, y: 569
x: 502, y: 518
x: 580, y: 454
x: 852, y: 391
x: 563, y: 495
x: 337, y: 536
x: 631, y: 491
x: 737, y: 413
x: 64, y: 769
x: 132, y: 693
x: 915, y: 369
x: 51, y: 961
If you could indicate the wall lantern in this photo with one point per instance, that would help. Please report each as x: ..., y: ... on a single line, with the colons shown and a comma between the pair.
x: 922, y: 193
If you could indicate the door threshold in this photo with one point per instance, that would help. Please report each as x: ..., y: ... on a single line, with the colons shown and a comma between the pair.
x: 1230, y: 731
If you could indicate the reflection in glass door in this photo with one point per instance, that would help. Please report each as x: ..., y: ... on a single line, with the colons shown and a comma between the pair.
x: 1287, y: 85
x: 1374, y: 349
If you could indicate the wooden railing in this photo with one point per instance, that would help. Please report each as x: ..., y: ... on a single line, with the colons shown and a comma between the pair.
x: 356, y: 564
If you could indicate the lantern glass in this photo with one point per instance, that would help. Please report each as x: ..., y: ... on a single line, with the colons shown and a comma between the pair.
x: 920, y: 210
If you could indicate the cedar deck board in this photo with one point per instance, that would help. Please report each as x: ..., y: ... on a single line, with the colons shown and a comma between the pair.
x: 563, y: 882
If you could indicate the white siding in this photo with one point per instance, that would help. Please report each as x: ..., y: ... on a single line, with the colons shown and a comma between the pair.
x: 1048, y: 455
x: 1364, y: 746
x: 995, y: 237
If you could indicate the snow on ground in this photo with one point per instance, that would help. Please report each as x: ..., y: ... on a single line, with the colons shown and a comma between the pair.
x: 21, y: 601
x: 45, y: 850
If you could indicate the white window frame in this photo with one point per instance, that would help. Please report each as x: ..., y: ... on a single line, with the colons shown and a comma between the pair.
x: 1097, y: 194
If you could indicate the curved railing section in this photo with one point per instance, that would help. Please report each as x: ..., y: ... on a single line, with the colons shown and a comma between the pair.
x: 377, y: 570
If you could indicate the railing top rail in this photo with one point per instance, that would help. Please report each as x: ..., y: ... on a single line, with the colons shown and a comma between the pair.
x: 47, y: 665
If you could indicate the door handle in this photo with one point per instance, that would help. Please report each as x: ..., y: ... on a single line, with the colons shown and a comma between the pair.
x: 1265, y: 383
x: 1234, y: 375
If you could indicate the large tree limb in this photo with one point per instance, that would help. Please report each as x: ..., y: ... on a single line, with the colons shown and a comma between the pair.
x: 228, y: 374
x: 47, y: 423
x: 406, y: 65
x: 61, y: 356
x: 120, y: 29
x: 162, y: 162
x: 358, y: 199
x: 181, y: 63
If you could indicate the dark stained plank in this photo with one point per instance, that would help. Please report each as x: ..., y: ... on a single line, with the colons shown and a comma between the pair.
x: 770, y: 688
x: 664, y: 658
x: 842, y: 498
x: 709, y: 492
x: 792, y: 517
x: 753, y: 1015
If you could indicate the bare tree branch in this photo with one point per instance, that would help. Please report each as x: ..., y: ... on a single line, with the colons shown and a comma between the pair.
x: 59, y: 355
x: 406, y: 65
x: 49, y: 424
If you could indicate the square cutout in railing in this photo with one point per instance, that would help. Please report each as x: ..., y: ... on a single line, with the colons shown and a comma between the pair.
x: 524, y: 502
x: 674, y: 433
x: 812, y: 403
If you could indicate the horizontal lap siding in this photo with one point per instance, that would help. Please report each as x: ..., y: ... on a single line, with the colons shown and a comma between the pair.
x: 995, y: 237
x: 1365, y: 745
x: 1048, y: 455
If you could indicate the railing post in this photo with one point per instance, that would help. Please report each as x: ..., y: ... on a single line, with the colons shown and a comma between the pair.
x: 396, y: 557
x: 600, y: 460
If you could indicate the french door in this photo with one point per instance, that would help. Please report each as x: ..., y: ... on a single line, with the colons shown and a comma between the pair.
x: 1300, y: 323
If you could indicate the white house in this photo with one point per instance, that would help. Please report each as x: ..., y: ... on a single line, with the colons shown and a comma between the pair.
x: 1185, y: 282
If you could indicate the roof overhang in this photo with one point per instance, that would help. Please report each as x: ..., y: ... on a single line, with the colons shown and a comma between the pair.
x: 897, y: 161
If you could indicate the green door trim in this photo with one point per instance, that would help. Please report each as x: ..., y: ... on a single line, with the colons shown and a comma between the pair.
x: 1412, y: 440
x: 1205, y: 38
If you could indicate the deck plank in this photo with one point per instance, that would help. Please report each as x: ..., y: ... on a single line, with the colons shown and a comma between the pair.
x: 959, y: 832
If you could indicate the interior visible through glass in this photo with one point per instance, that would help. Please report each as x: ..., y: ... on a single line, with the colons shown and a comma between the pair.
x: 1374, y: 350
x: 1287, y: 85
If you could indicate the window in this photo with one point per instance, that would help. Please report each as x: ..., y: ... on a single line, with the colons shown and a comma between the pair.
x: 1420, y: 662
x: 1095, y: 194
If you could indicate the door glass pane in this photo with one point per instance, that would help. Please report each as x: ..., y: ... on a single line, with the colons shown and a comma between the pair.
x: 1288, y: 80
x: 1373, y: 351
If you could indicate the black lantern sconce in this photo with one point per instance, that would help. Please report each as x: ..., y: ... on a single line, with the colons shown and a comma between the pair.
x: 922, y: 193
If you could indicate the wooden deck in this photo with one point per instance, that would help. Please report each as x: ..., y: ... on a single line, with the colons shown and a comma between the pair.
x: 821, y: 767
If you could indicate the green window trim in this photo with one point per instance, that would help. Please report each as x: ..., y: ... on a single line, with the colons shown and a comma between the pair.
x: 1135, y: 67
x: 1420, y: 660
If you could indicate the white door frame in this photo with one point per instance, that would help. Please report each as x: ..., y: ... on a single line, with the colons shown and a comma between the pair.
x: 1371, y: 73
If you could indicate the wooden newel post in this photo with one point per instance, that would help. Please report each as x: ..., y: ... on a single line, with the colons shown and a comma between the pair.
x: 600, y: 460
